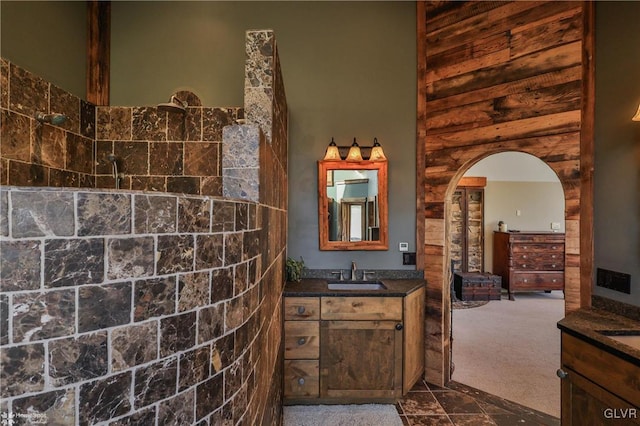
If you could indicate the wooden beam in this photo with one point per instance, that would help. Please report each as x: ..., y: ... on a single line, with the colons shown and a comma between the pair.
x: 472, y: 181
x: 98, y: 51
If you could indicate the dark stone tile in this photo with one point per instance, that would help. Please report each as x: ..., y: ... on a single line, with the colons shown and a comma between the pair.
x: 183, y: 184
x: 103, y: 306
x: 242, y: 216
x: 51, y: 408
x: 223, y: 216
x: 174, y: 254
x: 211, y: 185
x: 165, y: 158
x: 4, y: 213
x: 202, y: 159
x: 209, y: 396
x: 80, y: 154
x: 148, y: 183
x: 87, y: 119
x: 250, y: 244
x: 176, y: 126
x: 134, y: 345
x: 232, y: 248
x: 154, y: 214
x: 457, y: 403
x: 222, y: 353
x: 232, y: 379
x: 421, y: 403
x: 130, y: 257
x: 177, y: 333
x: 38, y: 316
x: 221, y: 284
x: 154, y: 298
x: 520, y: 419
x: 213, y: 120
x: 74, y: 360
x: 194, y: 367
x: 155, y: 382
x: 235, y: 313
x: 113, y: 123
x: 65, y: 179
x: 192, y: 123
x: 4, y: 83
x: 209, y: 251
x: 194, y: 215
x: 86, y: 181
x: 193, y: 290
x: 139, y: 418
x: 73, y: 262
x: 133, y: 157
x: 210, y: 323
x: 438, y: 420
x: 63, y: 102
x: 104, y: 214
x: 42, y: 213
x: 4, y: 319
x: 21, y: 369
x: 15, y: 136
x: 105, y: 399
x: 148, y: 124
x: 471, y: 420
x: 20, y: 265
x: 240, y: 278
x: 177, y: 410
x: 24, y: 174
x: 49, y: 146
x: 29, y: 93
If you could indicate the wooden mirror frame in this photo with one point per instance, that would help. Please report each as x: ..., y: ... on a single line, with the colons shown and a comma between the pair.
x: 323, y: 205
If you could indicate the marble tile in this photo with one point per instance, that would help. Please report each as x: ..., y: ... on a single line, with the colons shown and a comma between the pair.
x: 209, y: 251
x: 4, y: 319
x: 20, y: 265
x: 38, y: 316
x: 250, y: 244
x: 235, y: 313
x: 67, y: 179
x: 471, y: 420
x: 51, y: 408
x: 191, y: 125
x: 176, y: 125
x: 29, y: 93
x: 142, y: 417
x: 49, y: 146
x: 221, y: 284
x: 194, y: 215
x: 15, y: 136
x: 241, y: 183
x: 232, y: 379
x: 179, y: 410
x: 63, y: 102
x: 183, y: 184
x: 24, y: 174
x: 210, y: 323
x: 148, y: 124
x: 202, y: 159
x: 73, y: 262
x: 209, y: 396
x: 21, y: 369
x: 80, y: 154
x: 134, y: 345
x: 421, y: 403
x: 194, y: 367
x: 241, y: 147
x: 211, y: 185
x: 174, y: 253
x: 87, y: 119
x: 193, y: 290
x: 232, y: 248
x: 456, y: 402
x: 177, y: 333
x: 4, y: 83
x: 240, y: 278
x: 222, y: 353
x: 104, y: 214
x: 148, y: 183
x: 42, y: 213
x: 165, y: 158
x: 223, y: 216
x: 4, y: 213
x: 105, y: 399
x: 155, y: 382
x: 74, y: 360
x: 114, y: 123
x: 130, y: 257
x: 154, y: 297
x: 133, y: 157
x: 440, y: 420
x: 213, y: 121
x: 154, y: 214
x: 103, y: 306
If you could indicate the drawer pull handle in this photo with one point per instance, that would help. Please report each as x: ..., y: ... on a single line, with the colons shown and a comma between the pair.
x: 561, y: 373
x: 525, y: 280
x: 301, y: 341
x: 301, y: 381
x: 553, y: 266
x: 399, y: 326
x: 301, y: 310
x: 554, y: 280
x: 524, y: 256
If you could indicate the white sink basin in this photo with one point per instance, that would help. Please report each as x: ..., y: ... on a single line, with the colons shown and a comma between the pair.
x: 375, y: 285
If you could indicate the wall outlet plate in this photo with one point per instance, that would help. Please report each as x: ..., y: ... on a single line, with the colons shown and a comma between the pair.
x: 403, y: 246
x: 555, y: 226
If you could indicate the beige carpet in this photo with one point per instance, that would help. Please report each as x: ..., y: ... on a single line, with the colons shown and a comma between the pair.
x: 511, y: 349
x: 342, y: 415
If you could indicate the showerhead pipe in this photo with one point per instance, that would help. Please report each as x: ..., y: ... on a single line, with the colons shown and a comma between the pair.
x: 174, y: 105
x: 55, y: 119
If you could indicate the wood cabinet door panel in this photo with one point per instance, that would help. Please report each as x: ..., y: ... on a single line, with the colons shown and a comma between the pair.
x: 414, y: 311
x: 361, y: 308
x: 302, y: 339
x: 301, y: 378
x: 301, y: 308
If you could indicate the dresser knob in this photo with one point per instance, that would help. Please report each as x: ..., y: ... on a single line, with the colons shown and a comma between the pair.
x: 301, y: 341
x: 525, y: 280
x: 561, y: 373
x: 301, y: 381
x: 553, y: 266
x: 301, y: 310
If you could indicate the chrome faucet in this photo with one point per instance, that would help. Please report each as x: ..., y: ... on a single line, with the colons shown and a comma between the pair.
x: 353, y: 270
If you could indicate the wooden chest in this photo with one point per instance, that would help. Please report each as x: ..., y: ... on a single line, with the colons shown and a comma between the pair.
x: 477, y: 286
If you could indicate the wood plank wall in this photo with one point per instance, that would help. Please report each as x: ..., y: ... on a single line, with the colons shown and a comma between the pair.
x: 495, y: 76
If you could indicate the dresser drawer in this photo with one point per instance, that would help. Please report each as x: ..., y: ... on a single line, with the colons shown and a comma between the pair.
x: 361, y: 308
x: 301, y: 339
x: 537, y: 238
x: 301, y: 379
x: 538, y: 262
x: 538, y: 280
x: 537, y: 248
x: 301, y: 308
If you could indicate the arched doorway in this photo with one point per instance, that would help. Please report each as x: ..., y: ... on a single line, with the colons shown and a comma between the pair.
x: 508, y: 348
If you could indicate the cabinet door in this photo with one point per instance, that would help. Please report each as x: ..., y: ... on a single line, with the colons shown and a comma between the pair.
x: 360, y: 359
x: 413, y: 339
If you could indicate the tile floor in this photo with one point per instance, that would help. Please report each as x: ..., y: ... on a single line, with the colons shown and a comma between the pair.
x: 459, y: 404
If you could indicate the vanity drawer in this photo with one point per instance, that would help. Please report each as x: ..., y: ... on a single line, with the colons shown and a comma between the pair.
x: 361, y: 308
x: 301, y: 339
x: 301, y: 308
x: 301, y: 379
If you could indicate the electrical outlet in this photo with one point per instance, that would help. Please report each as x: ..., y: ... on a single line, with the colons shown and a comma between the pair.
x: 403, y: 246
x: 618, y: 281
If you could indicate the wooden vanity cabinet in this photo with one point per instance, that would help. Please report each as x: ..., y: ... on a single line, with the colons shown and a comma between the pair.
x: 598, y: 388
x: 371, y: 349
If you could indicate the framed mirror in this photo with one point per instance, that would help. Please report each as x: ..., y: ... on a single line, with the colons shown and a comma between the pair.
x: 352, y: 205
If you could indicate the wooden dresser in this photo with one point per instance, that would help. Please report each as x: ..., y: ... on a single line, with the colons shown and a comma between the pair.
x: 529, y: 261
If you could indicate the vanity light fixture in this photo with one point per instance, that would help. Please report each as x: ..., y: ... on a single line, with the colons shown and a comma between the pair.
x: 637, y: 116
x: 354, y: 152
x: 377, y: 154
x: 333, y: 153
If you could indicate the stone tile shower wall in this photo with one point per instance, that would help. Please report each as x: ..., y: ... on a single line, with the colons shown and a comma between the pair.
x: 144, y: 308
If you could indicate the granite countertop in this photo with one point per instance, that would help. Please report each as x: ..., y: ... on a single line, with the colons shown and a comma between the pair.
x: 318, y: 287
x: 587, y: 324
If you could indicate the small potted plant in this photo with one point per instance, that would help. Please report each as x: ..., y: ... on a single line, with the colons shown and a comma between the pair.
x: 294, y: 269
